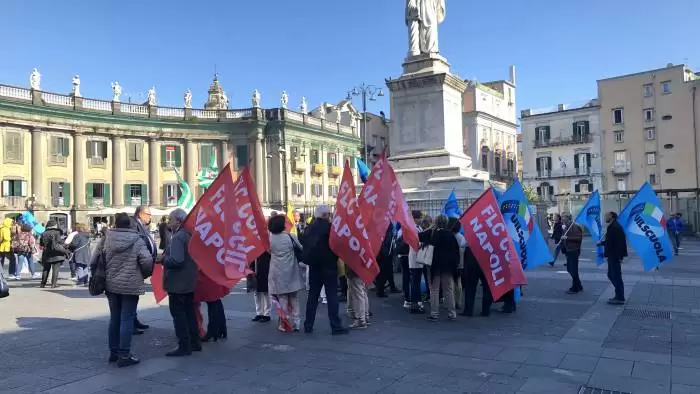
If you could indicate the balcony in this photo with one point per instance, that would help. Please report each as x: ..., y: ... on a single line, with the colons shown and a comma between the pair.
x: 335, y: 171
x: 298, y: 166
x: 622, y: 168
x: 318, y: 169
x: 566, y: 173
x: 95, y: 202
x: 13, y: 202
x: 58, y: 202
x: 561, y: 141
x: 133, y: 201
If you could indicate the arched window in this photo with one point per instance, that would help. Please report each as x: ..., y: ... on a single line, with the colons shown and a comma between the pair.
x: 545, y: 191
x: 583, y: 186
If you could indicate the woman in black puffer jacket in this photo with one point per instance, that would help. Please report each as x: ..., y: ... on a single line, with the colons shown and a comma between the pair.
x: 444, y: 267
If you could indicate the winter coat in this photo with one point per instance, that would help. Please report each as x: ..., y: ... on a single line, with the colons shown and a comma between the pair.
x: 615, y: 242
x: 54, y: 249
x: 285, y: 274
x: 128, y: 259
x: 80, y: 246
x: 573, y: 240
x: 180, y: 271
x: 261, y: 266
x: 557, y: 231
x: 5, y: 235
x: 675, y: 225
x: 445, y: 250
x: 317, y: 251
x: 164, y: 235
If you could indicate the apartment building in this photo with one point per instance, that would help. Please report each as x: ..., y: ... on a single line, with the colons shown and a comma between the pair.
x: 649, y: 126
x: 562, y: 150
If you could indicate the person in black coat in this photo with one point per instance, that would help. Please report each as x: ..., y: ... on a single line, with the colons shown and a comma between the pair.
x: 557, y: 232
x: 444, y: 266
x: 54, y: 253
x: 163, y: 233
x: 615, y: 249
x: 140, y: 222
x: 471, y: 276
x: 385, y: 260
x: 261, y: 267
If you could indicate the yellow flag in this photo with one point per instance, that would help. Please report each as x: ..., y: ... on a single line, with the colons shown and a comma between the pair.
x: 290, y: 217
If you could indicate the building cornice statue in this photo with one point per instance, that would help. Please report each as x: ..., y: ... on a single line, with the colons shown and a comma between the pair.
x: 422, y: 19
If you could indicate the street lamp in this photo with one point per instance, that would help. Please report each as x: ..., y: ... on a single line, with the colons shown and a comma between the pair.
x: 368, y: 92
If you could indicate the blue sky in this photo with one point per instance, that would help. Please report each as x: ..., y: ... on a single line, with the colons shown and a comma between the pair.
x: 321, y: 48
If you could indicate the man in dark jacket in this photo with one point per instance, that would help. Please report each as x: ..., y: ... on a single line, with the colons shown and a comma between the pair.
x: 323, y: 270
x: 54, y: 253
x: 557, y: 232
x: 615, y: 249
x: 472, y: 275
x: 140, y: 223
x: 385, y: 260
x: 179, y: 281
x: 571, y: 246
x: 163, y: 233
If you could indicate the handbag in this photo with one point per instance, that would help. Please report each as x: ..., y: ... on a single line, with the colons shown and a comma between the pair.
x: 298, y: 251
x: 97, y: 284
x: 4, y: 286
x: 425, y: 255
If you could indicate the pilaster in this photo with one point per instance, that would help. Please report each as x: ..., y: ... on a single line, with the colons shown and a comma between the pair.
x: 38, y: 161
x: 154, y: 189
x: 79, y: 156
x: 118, y: 168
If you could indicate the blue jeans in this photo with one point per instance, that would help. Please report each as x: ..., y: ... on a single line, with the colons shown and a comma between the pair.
x: 122, y: 312
x: 82, y: 273
x: 25, y: 259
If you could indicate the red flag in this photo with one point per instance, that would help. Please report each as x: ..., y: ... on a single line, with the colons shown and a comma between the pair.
x: 206, y: 290
x: 375, y: 203
x: 487, y: 235
x: 401, y: 213
x: 157, y: 283
x: 349, y: 238
x: 228, y: 228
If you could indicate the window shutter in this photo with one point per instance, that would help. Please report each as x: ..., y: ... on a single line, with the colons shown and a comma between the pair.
x: 539, y: 164
x: 23, y: 188
x: 549, y: 163
x: 5, y: 188
x: 551, y: 191
x: 66, y: 194
x: 107, y: 195
x: 590, y: 188
x: 588, y: 160
x: 65, y: 147
x: 88, y: 193
x: 539, y: 191
x: 586, y: 127
x: 162, y: 156
x: 178, y: 156
x: 577, y: 188
x: 576, y: 161
x: 127, y: 194
x: 547, y: 134
x: 574, y: 129
x: 139, y: 152
x: 144, y: 195
x: 104, y: 149
x: 537, y: 133
x: 87, y: 149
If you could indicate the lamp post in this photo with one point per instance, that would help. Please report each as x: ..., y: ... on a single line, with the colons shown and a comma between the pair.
x: 368, y: 92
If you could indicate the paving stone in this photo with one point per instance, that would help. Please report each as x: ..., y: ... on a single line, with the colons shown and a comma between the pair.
x: 651, y: 371
x: 685, y: 375
x: 575, y: 362
x: 610, y: 366
x: 545, y: 358
x: 628, y: 384
x: 684, y: 389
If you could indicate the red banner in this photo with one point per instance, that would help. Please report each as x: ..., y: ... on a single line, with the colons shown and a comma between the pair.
x: 487, y: 235
x: 157, y: 283
x: 375, y: 204
x: 349, y: 238
x: 401, y: 213
x: 228, y: 228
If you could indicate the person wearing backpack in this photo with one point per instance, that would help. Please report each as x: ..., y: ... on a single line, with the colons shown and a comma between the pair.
x: 54, y: 253
x: 25, y: 250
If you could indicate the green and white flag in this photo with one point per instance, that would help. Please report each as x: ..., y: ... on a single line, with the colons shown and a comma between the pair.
x: 186, y: 200
x: 207, y: 175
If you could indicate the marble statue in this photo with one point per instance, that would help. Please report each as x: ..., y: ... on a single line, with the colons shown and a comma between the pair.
x: 223, y: 100
x: 303, y: 107
x: 117, y: 91
x: 422, y: 19
x: 152, y: 96
x: 35, y: 79
x: 256, y: 99
x: 322, y: 111
x: 284, y: 100
x: 337, y: 114
x: 188, y: 98
x: 76, y: 86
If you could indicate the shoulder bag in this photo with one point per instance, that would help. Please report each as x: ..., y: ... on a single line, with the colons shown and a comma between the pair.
x: 298, y: 251
x: 425, y: 253
x: 97, y: 284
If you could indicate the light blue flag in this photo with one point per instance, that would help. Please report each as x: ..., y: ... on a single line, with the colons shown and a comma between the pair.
x: 645, y: 227
x: 528, y: 239
x: 363, y: 170
x: 496, y: 191
x: 589, y: 217
x: 451, y: 208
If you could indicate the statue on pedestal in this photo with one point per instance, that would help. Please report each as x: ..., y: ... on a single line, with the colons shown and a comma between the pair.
x: 322, y: 111
x: 152, y: 96
x: 116, y: 91
x: 256, y: 99
x: 188, y: 98
x: 35, y: 80
x: 76, y: 86
x: 223, y: 100
x: 303, y: 107
x: 338, y: 115
x: 284, y: 100
x: 422, y: 19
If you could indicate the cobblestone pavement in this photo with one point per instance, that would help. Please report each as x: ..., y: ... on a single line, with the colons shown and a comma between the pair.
x: 54, y: 341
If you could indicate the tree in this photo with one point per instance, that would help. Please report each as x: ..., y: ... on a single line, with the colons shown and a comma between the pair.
x: 531, y: 194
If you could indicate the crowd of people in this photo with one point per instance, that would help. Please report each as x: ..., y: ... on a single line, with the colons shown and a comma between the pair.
x: 298, y: 260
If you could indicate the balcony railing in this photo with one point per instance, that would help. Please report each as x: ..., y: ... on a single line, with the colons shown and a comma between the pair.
x: 95, y: 202
x: 330, y: 126
x: 621, y: 168
x: 566, y: 173
x: 13, y: 202
x: 318, y: 169
x: 570, y: 140
x: 58, y: 202
x: 298, y: 166
x: 335, y: 171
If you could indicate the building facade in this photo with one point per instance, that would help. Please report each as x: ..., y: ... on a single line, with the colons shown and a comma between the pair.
x: 490, y: 128
x: 562, y: 150
x: 76, y: 158
x: 649, y: 125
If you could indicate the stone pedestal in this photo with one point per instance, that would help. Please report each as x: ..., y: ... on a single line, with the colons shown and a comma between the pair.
x: 426, y: 136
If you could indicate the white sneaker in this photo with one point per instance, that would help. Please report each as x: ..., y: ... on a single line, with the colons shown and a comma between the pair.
x: 324, y: 300
x: 406, y: 304
x: 73, y: 278
x: 17, y: 277
x: 36, y: 276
